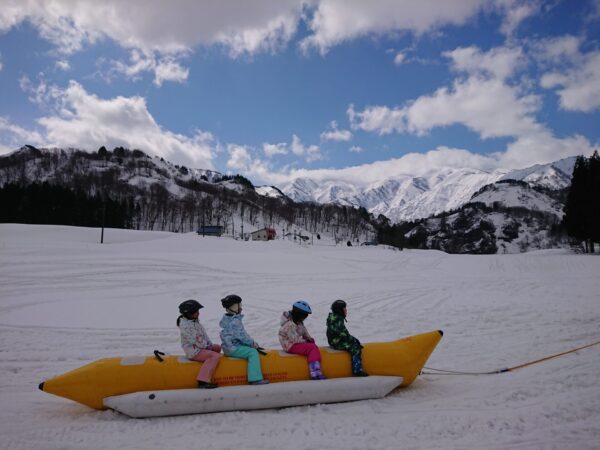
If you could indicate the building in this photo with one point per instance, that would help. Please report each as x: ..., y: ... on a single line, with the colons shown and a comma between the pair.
x: 210, y: 230
x: 264, y: 234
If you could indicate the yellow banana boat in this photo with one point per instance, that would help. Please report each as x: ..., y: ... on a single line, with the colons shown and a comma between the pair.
x: 91, y: 383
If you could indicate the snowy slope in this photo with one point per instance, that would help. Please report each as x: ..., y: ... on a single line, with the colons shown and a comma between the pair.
x: 518, y: 195
x: 269, y: 191
x: 556, y: 175
x: 141, y: 171
x: 399, y: 198
x: 65, y: 300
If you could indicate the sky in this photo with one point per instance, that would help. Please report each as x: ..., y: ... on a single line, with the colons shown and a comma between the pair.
x: 326, y: 89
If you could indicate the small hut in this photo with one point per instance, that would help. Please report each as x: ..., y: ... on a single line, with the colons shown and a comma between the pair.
x: 264, y: 234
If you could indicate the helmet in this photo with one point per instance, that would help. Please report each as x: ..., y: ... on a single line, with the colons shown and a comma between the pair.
x: 302, y: 306
x: 338, y: 306
x: 189, y: 307
x: 230, y: 300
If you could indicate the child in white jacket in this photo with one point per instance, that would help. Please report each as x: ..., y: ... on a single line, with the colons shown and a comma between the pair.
x: 196, y: 344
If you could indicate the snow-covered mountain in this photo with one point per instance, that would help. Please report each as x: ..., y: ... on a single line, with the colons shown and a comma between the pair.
x: 505, y: 217
x: 151, y: 193
x: 131, y: 167
x: 410, y: 197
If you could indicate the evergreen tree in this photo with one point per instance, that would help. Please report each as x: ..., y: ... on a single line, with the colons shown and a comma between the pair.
x: 582, y: 209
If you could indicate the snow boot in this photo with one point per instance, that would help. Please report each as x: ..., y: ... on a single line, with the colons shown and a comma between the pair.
x: 258, y: 382
x: 206, y: 385
x: 357, y: 368
x: 315, y: 371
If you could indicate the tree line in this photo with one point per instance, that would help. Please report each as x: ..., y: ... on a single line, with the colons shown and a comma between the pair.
x: 43, y: 203
x: 582, y: 209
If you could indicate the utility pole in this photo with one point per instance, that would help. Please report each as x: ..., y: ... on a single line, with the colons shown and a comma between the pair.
x: 103, y: 204
x: 242, y: 221
x: 103, y: 217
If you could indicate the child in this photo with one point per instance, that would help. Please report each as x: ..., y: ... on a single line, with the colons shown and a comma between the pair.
x: 235, y: 340
x: 294, y: 338
x: 339, y: 338
x: 196, y: 343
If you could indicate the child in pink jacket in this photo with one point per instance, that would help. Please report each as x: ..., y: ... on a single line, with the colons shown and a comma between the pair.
x: 294, y: 338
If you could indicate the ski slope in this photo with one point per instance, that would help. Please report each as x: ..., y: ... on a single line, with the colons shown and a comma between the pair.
x: 66, y: 300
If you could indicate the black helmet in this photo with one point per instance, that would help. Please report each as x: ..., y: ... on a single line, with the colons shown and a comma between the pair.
x: 189, y: 307
x: 230, y: 300
x: 338, y: 306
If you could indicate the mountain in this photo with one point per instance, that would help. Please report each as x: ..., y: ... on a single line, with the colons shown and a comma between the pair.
x: 505, y: 217
x: 409, y: 197
x: 455, y: 210
x: 150, y: 193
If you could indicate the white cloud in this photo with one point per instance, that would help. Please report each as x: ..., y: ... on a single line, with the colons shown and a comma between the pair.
x: 271, y: 150
x: 14, y: 136
x: 523, y: 152
x: 165, y: 69
x: 166, y: 28
x: 562, y: 49
x: 242, y: 161
x: 499, y: 62
x: 515, y: 12
x: 1, y: 62
x: 159, y: 33
x: 335, y: 134
x: 337, y: 21
x: 63, y: 64
x: 269, y: 38
x: 311, y: 153
x: 579, y: 86
x: 400, y: 58
x: 487, y: 106
x: 356, y: 149
x: 85, y: 121
x: 239, y: 157
x: 169, y: 70
x: 41, y: 94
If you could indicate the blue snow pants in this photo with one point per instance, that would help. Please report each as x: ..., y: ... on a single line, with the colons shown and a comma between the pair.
x: 249, y: 353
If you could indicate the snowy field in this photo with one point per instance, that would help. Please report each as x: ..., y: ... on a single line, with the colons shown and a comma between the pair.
x: 66, y: 300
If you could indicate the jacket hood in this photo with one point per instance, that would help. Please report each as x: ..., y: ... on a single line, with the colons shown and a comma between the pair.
x: 228, y: 319
x: 285, y: 317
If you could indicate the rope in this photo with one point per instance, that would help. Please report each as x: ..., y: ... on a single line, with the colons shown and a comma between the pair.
x: 506, y: 369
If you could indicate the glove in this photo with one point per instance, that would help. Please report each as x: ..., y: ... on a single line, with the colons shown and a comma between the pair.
x: 261, y: 350
x: 310, y: 340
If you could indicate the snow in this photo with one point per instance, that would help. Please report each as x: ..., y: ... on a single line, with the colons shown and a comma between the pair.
x: 518, y: 196
x: 66, y: 300
x: 268, y: 191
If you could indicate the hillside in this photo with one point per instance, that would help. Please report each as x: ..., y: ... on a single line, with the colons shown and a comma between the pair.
x: 505, y: 217
x: 154, y: 194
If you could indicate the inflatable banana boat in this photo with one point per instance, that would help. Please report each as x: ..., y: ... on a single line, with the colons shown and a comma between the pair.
x: 109, y: 377
x: 243, y: 398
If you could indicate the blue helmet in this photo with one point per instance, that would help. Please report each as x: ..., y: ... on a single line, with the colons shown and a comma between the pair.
x: 302, y: 306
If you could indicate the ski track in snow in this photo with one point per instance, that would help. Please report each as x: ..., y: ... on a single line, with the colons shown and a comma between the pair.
x: 66, y: 301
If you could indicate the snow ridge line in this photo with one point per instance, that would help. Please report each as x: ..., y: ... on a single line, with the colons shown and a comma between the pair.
x: 506, y: 369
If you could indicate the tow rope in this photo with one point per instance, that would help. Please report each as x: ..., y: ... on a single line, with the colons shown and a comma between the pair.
x: 505, y: 369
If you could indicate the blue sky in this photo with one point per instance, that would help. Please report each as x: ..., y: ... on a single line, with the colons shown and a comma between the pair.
x: 328, y: 89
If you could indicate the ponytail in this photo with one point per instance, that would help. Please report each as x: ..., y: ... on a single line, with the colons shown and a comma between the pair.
x: 179, y: 320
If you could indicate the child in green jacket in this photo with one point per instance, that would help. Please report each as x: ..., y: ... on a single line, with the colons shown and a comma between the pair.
x: 340, y: 339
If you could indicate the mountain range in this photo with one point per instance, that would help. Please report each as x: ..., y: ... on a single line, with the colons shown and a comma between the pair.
x: 409, y: 197
x: 455, y: 210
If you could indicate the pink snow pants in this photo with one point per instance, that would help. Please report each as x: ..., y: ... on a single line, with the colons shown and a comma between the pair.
x: 308, y: 349
x: 210, y: 360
